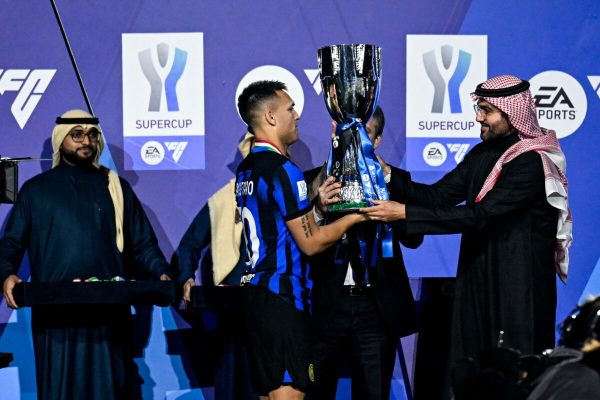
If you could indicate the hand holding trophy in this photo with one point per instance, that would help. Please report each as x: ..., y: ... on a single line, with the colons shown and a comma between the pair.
x: 350, y: 76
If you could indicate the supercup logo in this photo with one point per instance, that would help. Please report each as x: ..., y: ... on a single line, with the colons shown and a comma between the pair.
x: 158, y: 79
x: 441, y: 71
x: 446, y: 76
x: 163, y: 100
x: 302, y: 190
x: 560, y: 102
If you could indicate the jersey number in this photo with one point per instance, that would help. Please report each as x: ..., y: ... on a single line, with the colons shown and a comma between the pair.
x: 252, y: 243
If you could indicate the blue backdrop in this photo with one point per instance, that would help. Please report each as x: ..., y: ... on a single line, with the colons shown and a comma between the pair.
x: 172, y: 127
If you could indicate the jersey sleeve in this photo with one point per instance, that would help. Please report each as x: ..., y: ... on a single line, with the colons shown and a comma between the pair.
x: 290, y: 191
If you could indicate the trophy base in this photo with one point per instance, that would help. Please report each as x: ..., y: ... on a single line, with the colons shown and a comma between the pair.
x: 347, y: 206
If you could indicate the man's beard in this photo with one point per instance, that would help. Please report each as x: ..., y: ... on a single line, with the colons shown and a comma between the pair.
x: 74, y: 158
x: 491, y: 134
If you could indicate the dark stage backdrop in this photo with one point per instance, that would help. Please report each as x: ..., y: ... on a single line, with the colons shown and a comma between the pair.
x: 163, y: 77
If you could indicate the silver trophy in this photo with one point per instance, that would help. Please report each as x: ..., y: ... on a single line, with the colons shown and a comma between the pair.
x: 350, y: 77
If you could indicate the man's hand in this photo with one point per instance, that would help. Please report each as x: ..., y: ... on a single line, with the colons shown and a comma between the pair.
x: 385, y: 211
x: 7, y: 290
x: 187, y: 289
x: 165, y: 277
x: 328, y: 194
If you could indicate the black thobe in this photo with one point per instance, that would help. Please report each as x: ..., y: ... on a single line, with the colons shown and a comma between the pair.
x: 65, y: 219
x: 505, y: 277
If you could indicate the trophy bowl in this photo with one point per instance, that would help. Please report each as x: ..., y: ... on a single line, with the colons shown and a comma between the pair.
x: 350, y: 78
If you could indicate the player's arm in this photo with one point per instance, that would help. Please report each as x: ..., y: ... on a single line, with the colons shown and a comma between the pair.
x: 312, y: 238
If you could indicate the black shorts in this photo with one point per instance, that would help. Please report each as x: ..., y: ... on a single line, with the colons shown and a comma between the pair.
x: 278, y: 342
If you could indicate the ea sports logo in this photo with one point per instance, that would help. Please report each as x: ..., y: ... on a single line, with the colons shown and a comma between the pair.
x: 152, y: 152
x: 274, y: 73
x: 434, y: 154
x: 560, y: 102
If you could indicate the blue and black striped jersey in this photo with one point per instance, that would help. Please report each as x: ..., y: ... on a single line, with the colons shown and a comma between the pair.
x: 271, y: 190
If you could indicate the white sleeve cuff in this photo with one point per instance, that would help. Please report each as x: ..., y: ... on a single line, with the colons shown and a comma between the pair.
x: 316, y: 215
x: 388, y: 177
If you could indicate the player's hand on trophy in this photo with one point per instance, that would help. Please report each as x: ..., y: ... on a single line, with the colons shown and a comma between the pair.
x: 328, y: 194
x: 7, y: 290
x: 328, y: 190
x: 385, y: 211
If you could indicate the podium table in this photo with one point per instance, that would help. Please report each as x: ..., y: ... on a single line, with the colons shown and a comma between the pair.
x: 160, y: 293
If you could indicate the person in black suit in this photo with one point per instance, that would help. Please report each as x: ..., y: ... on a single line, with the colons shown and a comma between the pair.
x: 359, y: 308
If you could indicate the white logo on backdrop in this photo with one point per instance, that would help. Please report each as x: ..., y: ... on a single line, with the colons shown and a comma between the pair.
x: 163, y: 84
x: 313, y: 76
x: 176, y: 148
x: 560, y: 102
x: 441, y: 71
x: 595, y: 82
x: 434, y: 154
x: 29, y: 85
x: 152, y: 152
x: 459, y: 150
x: 274, y: 73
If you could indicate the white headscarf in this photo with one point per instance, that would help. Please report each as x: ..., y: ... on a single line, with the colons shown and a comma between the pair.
x: 225, y: 227
x: 60, y: 132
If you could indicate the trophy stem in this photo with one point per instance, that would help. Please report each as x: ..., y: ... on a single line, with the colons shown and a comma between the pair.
x: 351, y: 193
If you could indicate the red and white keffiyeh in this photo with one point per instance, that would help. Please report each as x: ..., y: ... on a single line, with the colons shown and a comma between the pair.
x: 511, y: 95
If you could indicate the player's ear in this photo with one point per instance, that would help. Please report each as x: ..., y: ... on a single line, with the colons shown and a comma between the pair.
x: 270, y: 117
x: 377, y: 142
